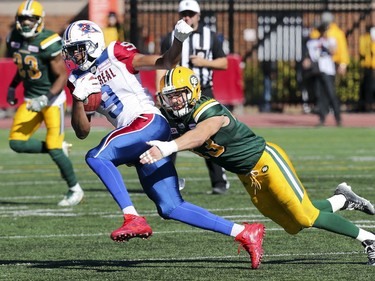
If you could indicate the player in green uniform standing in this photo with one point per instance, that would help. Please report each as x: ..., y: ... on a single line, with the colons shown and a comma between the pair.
x: 37, y: 54
x: 204, y: 126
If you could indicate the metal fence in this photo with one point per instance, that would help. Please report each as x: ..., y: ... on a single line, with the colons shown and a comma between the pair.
x: 269, y: 35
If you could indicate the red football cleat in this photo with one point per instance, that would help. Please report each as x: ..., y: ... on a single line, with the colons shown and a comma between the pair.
x: 251, y: 239
x: 133, y: 226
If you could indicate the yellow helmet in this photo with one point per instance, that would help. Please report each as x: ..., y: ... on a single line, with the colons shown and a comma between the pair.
x: 30, y: 18
x: 179, y: 82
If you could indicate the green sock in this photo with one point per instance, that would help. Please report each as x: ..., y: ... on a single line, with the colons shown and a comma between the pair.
x: 65, y: 166
x: 337, y: 224
x: 323, y: 205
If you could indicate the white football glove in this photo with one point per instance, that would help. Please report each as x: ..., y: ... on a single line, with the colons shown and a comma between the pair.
x: 85, y: 86
x: 166, y: 147
x: 182, y: 30
x: 37, y: 104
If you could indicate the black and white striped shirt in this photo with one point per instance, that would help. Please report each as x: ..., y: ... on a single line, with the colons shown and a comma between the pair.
x: 203, y: 42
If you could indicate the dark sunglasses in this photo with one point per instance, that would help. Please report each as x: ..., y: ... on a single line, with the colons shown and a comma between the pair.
x: 189, y: 14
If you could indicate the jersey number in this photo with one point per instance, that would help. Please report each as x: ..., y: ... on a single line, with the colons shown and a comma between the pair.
x: 113, y: 101
x: 128, y: 46
x: 33, y: 72
x: 214, y: 149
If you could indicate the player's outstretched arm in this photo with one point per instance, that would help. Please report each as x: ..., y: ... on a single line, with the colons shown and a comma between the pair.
x: 191, y: 139
x: 171, y: 57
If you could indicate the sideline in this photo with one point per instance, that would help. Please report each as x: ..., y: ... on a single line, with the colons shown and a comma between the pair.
x: 261, y: 120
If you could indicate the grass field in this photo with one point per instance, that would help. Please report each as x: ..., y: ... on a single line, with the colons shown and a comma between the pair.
x: 41, y: 241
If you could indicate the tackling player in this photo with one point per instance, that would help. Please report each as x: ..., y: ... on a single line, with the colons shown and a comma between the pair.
x: 131, y: 110
x: 37, y: 53
x: 206, y: 127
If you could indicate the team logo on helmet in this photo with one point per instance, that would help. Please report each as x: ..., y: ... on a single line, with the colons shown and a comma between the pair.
x: 87, y: 28
x: 194, y: 81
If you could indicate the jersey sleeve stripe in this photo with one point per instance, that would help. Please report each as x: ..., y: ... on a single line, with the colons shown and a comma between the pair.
x: 208, y: 104
x: 49, y: 41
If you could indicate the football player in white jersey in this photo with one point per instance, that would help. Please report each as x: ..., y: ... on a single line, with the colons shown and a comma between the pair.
x: 131, y: 110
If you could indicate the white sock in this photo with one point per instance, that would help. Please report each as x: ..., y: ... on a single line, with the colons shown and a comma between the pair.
x: 365, y: 235
x: 77, y: 187
x: 130, y: 210
x: 236, y: 229
x: 337, y: 202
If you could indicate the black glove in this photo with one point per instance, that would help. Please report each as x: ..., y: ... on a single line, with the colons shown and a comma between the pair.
x: 11, y: 97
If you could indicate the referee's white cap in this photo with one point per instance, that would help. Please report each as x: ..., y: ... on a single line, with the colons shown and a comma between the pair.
x: 189, y: 5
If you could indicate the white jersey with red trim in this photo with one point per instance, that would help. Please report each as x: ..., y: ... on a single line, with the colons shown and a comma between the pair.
x: 123, y: 96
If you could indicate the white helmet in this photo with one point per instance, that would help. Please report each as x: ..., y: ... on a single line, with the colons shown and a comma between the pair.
x: 83, y: 42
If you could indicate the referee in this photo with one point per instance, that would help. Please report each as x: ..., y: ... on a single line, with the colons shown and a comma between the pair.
x: 202, y: 52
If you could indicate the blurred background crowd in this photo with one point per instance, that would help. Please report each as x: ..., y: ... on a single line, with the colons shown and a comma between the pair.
x: 268, y: 44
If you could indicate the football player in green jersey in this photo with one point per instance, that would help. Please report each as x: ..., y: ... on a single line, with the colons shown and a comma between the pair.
x: 37, y: 54
x: 204, y: 126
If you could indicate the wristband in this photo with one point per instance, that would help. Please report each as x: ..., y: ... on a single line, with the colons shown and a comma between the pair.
x: 50, y: 95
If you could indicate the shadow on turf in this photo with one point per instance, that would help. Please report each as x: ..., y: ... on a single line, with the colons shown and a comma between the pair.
x: 87, y: 264
x: 135, y: 191
x: 239, y: 264
x: 310, y: 261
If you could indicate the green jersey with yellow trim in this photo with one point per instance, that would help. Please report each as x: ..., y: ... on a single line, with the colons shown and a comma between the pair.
x: 32, y: 57
x: 234, y: 147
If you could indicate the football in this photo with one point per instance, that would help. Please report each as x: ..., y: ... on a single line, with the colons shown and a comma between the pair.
x: 92, y: 102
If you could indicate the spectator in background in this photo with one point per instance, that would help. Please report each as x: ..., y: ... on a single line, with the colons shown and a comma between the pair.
x: 269, y: 71
x: 202, y: 52
x: 114, y: 30
x: 321, y: 52
x: 341, y: 54
x: 367, y: 55
x: 146, y: 44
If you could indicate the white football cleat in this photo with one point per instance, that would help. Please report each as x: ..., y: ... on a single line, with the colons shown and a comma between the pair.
x: 72, y: 198
x: 66, y: 148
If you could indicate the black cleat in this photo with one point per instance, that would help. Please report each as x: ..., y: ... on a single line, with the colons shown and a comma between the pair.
x: 370, y: 250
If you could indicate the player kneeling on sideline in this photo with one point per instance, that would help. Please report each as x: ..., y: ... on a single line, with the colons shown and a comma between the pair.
x: 204, y: 126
